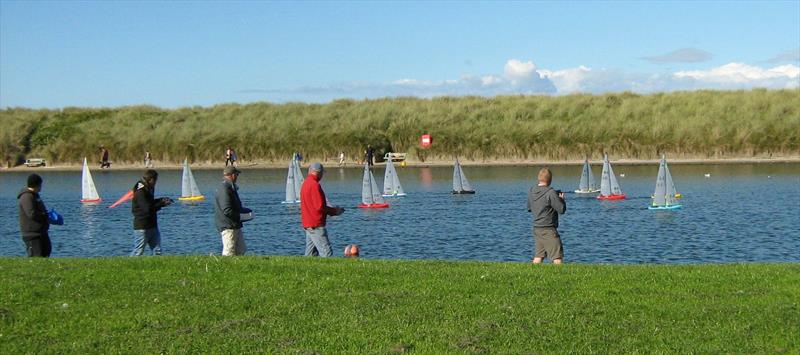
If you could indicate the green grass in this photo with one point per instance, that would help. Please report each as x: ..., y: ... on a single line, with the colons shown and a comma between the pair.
x: 699, y: 124
x: 201, y: 304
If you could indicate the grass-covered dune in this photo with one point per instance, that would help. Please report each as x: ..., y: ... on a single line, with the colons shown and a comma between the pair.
x: 204, y: 304
x: 700, y: 124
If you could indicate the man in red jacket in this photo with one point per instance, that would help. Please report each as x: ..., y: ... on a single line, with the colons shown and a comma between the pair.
x: 314, y: 210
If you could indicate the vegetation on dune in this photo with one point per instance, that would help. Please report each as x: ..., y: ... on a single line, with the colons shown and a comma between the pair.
x: 683, y: 124
x: 206, y: 304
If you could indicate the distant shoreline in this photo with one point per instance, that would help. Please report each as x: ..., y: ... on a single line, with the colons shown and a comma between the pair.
x: 246, y: 165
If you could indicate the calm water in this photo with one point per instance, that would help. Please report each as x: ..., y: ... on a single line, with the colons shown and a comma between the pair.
x: 742, y: 213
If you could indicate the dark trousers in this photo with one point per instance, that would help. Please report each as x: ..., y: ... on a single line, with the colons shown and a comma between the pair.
x: 38, y: 246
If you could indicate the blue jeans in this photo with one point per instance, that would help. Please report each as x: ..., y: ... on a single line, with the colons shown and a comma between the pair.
x: 317, y: 243
x: 150, y: 236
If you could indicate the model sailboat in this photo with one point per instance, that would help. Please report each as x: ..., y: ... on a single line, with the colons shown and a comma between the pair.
x: 189, y: 190
x: 88, y: 190
x: 609, y: 187
x: 587, y: 184
x: 460, y: 183
x: 664, y: 198
x: 391, y: 183
x: 370, y: 195
x: 294, y: 180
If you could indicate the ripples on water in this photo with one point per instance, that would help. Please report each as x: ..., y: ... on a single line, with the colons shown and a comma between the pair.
x: 742, y: 213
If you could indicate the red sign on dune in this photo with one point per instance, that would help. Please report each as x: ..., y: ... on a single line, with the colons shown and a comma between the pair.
x: 425, y: 141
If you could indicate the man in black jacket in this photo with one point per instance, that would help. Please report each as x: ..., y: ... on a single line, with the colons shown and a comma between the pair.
x: 33, y: 221
x: 227, y: 214
x: 144, y: 209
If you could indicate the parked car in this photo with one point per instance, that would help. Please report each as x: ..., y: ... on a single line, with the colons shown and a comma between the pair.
x: 35, y: 162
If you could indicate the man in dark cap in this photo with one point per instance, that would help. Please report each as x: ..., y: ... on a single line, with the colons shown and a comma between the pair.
x: 314, y: 210
x: 144, y: 209
x: 227, y: 214
x: 33, y: 220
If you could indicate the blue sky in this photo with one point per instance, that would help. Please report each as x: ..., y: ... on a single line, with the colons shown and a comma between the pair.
x: 174, y: 54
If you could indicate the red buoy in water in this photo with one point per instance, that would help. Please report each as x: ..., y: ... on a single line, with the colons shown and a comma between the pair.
x: 351, y: 251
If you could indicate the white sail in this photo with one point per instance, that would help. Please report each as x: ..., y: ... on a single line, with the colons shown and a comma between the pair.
x: 592, y: 183
x: 294, y: 180
x: 88, y: 190
x: 376, y: 193
x: 669, y: 185
x: 608, y: 183
x: 298, y: 180
x: 605, y: 180
x: 615, y: 189
x: 369, y: 188
x: 391, y: 183
x: 457, y: 177
x: 584, y: 184
x: 460, y: 182
x: 660, y: 194
x: 188, y: 185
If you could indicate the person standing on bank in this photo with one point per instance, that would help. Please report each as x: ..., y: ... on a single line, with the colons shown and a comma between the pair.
x: 369, y: 154
x: 104, y: 163
x: 314, y: 211
x: 148, y: 159
x: 546, y: 204
x: 33, y: 220
x: 144, y: 209
x: 227, y: 214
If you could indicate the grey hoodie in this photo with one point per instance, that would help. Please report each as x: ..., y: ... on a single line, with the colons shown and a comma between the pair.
x: 545, y: 205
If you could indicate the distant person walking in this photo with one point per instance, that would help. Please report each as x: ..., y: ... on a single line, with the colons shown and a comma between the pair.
x: 144, y: 209
x: 369, y: 154
x: 229, y: 156
x: 148, y: 159
x: 227, y: 214
x: 341, y: 158
x: 33, y: 220
x: 104, y: 163
x: 234, y: 158
x: 546, y: 204
x: 314, y: 211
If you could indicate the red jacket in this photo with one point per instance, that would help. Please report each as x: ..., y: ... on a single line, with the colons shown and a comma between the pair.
x: 313, y: 206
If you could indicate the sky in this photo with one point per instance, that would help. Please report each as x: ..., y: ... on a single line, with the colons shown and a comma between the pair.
x: 185, y: 53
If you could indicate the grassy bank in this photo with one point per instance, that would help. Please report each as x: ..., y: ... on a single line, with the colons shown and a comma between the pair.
x: 701, y: 124
x: 298, y: 305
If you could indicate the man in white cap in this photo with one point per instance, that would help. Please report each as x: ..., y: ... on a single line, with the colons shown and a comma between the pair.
x: 227, y: 214
x: 314, y: 210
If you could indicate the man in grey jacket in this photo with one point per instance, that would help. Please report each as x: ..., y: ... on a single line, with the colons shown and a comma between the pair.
x: 227, y: 214
x: 546, y: 204
x: 33, y: 220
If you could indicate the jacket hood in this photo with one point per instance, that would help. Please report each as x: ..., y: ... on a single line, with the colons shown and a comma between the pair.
x: 540, y: 191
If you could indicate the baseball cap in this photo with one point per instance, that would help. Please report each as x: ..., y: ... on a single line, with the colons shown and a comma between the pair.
x: 316, y: 167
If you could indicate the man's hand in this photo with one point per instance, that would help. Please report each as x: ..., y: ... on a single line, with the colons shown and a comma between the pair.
x: 561, y: 195
x: 339, y: 210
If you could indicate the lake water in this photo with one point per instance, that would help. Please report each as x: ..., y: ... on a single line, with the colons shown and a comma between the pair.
x: 742, y: 213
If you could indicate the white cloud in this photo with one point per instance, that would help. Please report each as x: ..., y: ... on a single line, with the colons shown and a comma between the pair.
x: 519, y: 70
x: 489, y: 80
x: 523, y: 77
x: 567, y: 80
x: 741, y: 73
